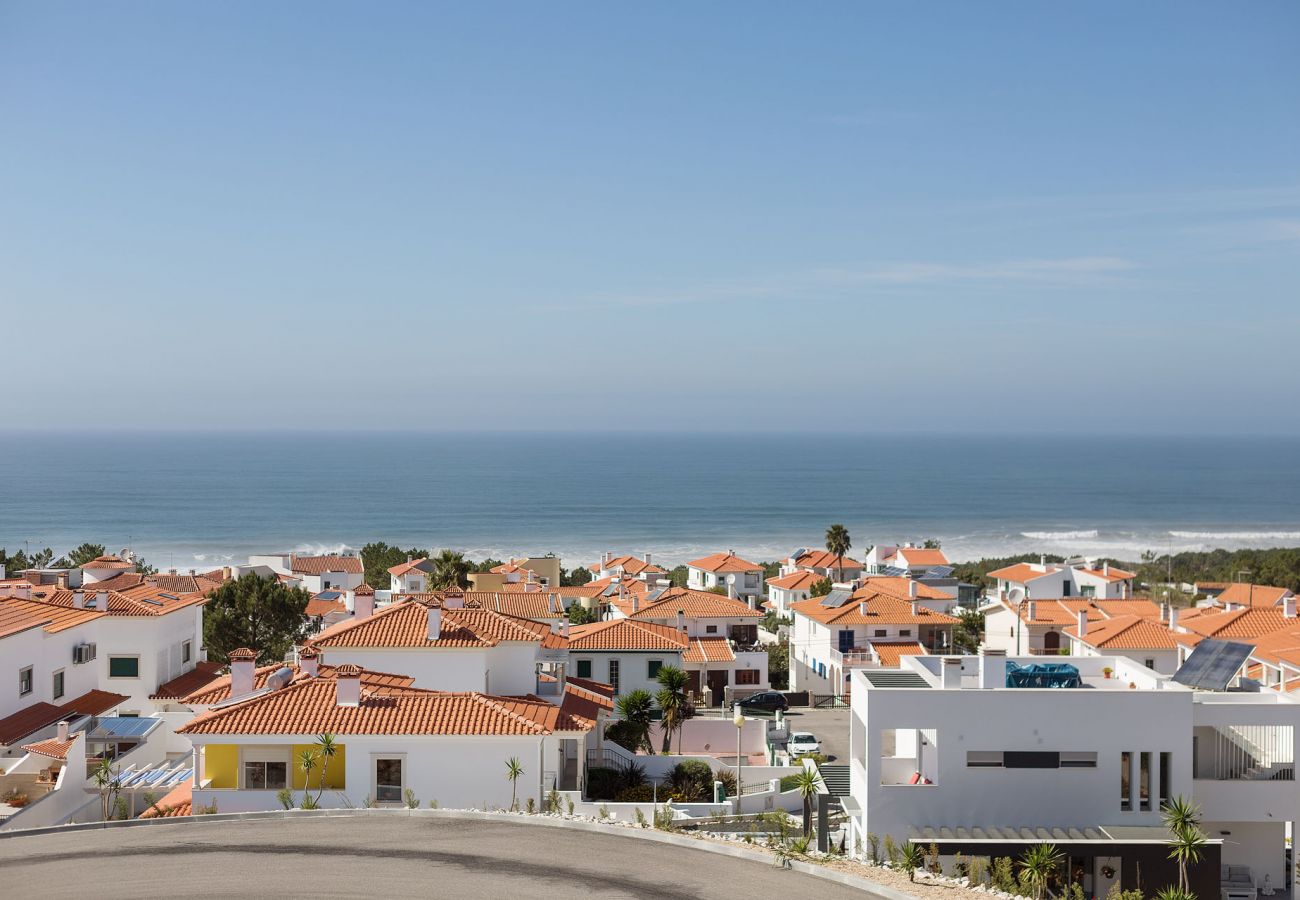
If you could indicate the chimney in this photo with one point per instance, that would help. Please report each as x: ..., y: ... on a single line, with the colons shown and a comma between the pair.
x: 435, y: 622
x: 916, y: 609
x: 647, y: 558
x: 951, y: 673
x: 453, y: 599
x: 308, y: 660
x: 1083, y: 622
x: 1042, y: 562
x: 101, y: 601
x: 681, y: 621
x: 347, y: 689
x: 1173, y: 618
x: 1288, y: 607
x: 911, y: 589
x: 242, y: 663
x: 862, y: 608
x: 1105, y: 568
x: 78, y: 599
x: 993, y: 668
x: 61, y: 582
x: 1031, y: 607
x: 363, y: 605
x: 62, y: 734
x: 636, y: 603
x: 173, y: 572
x: 564, y: 628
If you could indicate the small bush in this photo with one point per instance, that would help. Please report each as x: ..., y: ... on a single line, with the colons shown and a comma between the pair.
x: 640, y: 818
x: 411, y: 802
x: 603, y: 812
x: 308, y: 801
x: 553, y: 801
x: 604, y: 783
x: 531, y: 806
x: 729, y: 783
x: 16, y: 798
x: 285, y: 796
x: 433, y: 804
x: 640, y: 794
x: 570, y: 799
x: 1003, y: 876
x: 872, y: 838
x: 977, y: 869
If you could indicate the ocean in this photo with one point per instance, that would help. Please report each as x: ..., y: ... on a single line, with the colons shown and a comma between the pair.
x: 201, y: 499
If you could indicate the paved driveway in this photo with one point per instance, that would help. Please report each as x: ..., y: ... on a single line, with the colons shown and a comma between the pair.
x: 381, y: 856
x: 831, y: 727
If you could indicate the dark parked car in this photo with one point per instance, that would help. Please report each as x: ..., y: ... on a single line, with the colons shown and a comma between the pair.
x: 765, y: 701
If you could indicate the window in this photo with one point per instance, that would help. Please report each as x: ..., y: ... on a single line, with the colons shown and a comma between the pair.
x: 909, y: 756
x: 265, y: 776
x: 1065, y: 589
x: 652, y: 668
x: 710, y: 629
x: 58, y: 684
x: 1144, y: 780
x: 1030, y: 759
x: 124, y: 667
x: 880, y: 632
x: 904, y: 632
x: 185, y: 651
x: 1125, y: 777
x: 1166, y: 777
x: 1150, y: 663
x: 747, y: 676
x: 584, y: 668
x: 388, y: 780
x: 24, y: 681
x: 613, y: 675
x: 1087, y: 591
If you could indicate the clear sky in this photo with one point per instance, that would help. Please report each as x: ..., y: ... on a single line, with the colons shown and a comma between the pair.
x: 896, y: 216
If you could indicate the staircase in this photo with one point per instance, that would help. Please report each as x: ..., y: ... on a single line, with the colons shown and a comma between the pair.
x: 836, y: 779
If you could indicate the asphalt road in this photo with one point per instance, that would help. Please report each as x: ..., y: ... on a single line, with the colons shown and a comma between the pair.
x: 381, y: 857
x: 830, y: 725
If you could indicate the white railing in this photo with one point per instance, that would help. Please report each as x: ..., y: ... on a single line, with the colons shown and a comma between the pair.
x: 1252, y: 753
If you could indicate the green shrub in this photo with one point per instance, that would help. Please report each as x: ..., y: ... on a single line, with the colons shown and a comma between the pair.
x: 1003, y: 876
x: 603, y: 783
x: 729, y: 783
x: 691, y: 781
x: 642, y: 793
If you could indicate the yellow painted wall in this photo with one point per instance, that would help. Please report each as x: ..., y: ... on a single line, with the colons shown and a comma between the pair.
x: 221, y: 765
x: 334, y: 775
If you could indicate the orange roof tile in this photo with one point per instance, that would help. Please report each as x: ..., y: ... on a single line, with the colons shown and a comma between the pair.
x: 581, y: 703
x: 891, y: 653
x: 406, y: 624
x: 625, y: 634
x: 1253, y: 594
x: 724, y: 562
x: 1129, y: 632
x: 197, y: 678
x: 709, y: 649
x: 310, y: 707
x: 108, y: 561
x: 796, y: 581
x: 922, y: 556
x: 882, y: 609
x: 419, y: 565
x: 899, y: 586
x: 632, y: 565
x: 176, y: 802
x: 318, y: 607
x: 52, y: 747
x: 824, y: 559
x: 1023, y: 572
x: 1112, y: 574
x: 1245, y: 623
x: 319, y: 565
x: 17, y: 726
x: 19, y: 615
x: 141, y: 600
x: 693, y: 604
x: 218, y: 690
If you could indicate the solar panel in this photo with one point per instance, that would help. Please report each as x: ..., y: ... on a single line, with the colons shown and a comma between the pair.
x: 1213, y: 664
x: 939, y: 572
x: 329, y: 595
x: 894, y: 572
x: 836, y: 598
x: 654, y: 595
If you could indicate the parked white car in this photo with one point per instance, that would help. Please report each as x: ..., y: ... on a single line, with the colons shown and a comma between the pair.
x: 802, y: 742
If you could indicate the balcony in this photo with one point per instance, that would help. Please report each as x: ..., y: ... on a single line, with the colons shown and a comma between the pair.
x: 855, y: 658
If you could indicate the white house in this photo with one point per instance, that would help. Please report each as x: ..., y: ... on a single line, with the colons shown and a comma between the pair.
x: 314, y: 573
x: 1040, y: 626
x: 868, y: 627
x: 631, y: 567
x: 822, y: 563
x: 944, y: 752
x: 1052, y: 580
x: 409, y: 577
x: 908, y: 557
x: 786, y: 590
x: 391, y: 744
x: 740, y: 577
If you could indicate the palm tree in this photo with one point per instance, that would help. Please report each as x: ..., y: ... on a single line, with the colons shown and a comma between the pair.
x: 635, y: 708
x: 672, y: 701
x: 838, y: 542
x: 108, y: 783
x: 808, y: 783
x: 1038, y: 865
x: 913, y: 859
x: 325, y: 741
x: 513, y: 771
x: 449, y: 570
x: 1187, y: 842
x: 307, y: 760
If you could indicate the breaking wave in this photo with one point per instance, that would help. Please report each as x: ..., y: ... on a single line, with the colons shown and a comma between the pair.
x: 1060, y: 535
x: 1237, y: 535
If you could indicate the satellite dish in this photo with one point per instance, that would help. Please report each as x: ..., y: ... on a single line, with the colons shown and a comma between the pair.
x: 1015, y: 595
x: 731, y: 579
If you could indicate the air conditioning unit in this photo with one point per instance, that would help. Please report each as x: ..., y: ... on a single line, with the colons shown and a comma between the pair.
x: 83, y: 653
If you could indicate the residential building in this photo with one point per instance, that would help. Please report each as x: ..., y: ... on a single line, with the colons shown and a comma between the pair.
x: 1083, y: 578
x: 907, y: 559
x: 822, y: 563
x: 629, y: 567
x: 786, y: 590
x: 313, y: 573
x: 739, y: 577
x: 1039, y: 626
x: 1141, y: 638
x: 870, y: 627
x: 410, y: 577
x: 944, y: 751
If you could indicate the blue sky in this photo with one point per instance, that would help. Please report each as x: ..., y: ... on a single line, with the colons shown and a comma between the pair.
x: 878, y: 216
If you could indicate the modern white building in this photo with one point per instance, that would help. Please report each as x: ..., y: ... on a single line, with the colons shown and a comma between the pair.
x: 822, y: 563
x: 410, y: 577
x: 1044, y: 580
x: 943, y: 751
x: 1041, y: 627
x: 313, y: 573
x: 786, y: 590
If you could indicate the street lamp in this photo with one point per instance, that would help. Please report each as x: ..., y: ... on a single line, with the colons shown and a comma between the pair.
x: 739, y: 720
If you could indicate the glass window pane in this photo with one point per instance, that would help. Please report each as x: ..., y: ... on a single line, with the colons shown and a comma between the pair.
x: 388, y: 780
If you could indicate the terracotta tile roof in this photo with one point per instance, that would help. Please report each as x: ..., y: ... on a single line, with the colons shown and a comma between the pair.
x: 1065, y: 611
x: 709, y: 649
x: 892, y: 653
x: 922, y: 556
x: 632, y: 565
x: 362, y: 589
x: 1112, y: 574
x: 1023, y: 572
x: 418, y: 565
x: 824, y: 559
x: 141, y: 600
x: 319, y: 565
x: 319, y: 607
x: 625, y: 634
x: 1280, y: 646
x: 108, y: 561
x: 406, y: 624
x: 724, y: 562
x: 1253, y: 594
x: 583, y: 704
x: 882, y: 609
x: 218, y: 690
x: 52, y: 747
x: 1247, y: 623
x: 1211, y: 586
x: 694, y: 604
x: 630, y: 585
x: 310, y: 707
x: 185, y: 584
x: 1127, y: 633
x: 197, y: 678
x: 586, y: 590
x: 899, y: 586
x: 531, y: 605
x: 119, y: 582
x: 19, y: 615
x: 17, y: 726
x: 593, y: 687
x: 795, y: 581
x: 176, y: 802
